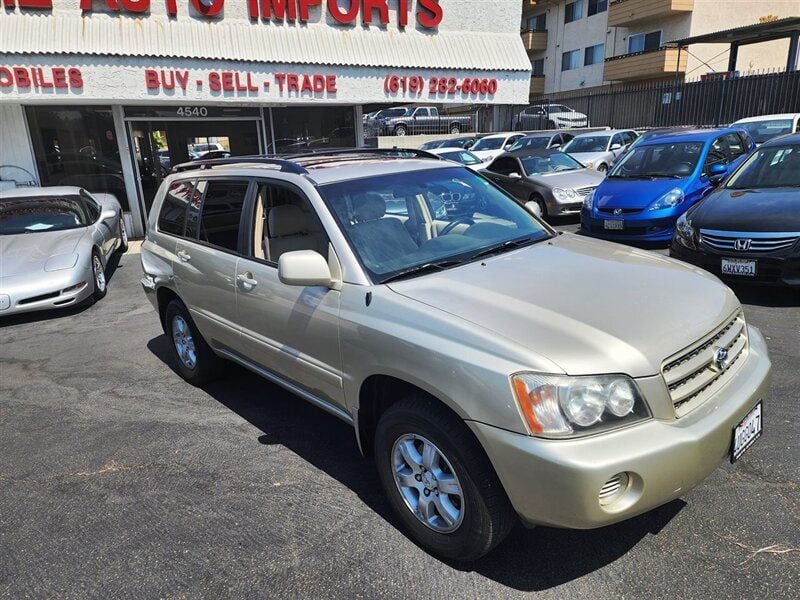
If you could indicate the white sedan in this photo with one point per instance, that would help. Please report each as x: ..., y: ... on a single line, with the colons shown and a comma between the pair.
x: 462, y: 157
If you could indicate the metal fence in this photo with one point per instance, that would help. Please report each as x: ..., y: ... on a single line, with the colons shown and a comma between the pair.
x: 708, y: 102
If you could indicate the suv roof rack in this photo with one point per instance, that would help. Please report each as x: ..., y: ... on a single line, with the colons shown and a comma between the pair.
x: 288, y: 163
x: 394, y: 151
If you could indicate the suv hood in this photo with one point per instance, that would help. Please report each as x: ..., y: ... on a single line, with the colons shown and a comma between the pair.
x: 589, y: 306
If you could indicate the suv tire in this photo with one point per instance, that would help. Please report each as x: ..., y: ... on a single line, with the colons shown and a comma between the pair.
x: 455, y: 129
x: 400, y: 130
x: 196, y: 361
x: 484, y: 514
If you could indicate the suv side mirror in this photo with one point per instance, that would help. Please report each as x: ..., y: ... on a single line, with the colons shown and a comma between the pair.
x: 515, y: 175
x: 304, y: 268
x: 616, y: 146
x: 108, y: 213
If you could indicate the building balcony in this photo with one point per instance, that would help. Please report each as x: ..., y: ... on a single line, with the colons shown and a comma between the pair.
x: 623, y: 13
x: 537, y: 85
x: 529, y: 5
x: 651, y: 64
x: 534, y: 40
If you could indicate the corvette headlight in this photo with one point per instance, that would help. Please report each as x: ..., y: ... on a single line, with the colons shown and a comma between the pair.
x: 563, y: 195
x: 669, y: 200
x: 588, y: 201
x: 60, y: 262
x: 561, y: 406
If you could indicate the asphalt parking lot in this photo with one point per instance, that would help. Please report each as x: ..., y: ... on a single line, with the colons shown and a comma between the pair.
x: 119, y: 479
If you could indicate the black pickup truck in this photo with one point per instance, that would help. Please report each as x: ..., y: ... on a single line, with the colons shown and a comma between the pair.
x: 418, y: 120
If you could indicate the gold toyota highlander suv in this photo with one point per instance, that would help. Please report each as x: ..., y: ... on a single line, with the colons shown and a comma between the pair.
x: 494, y: 368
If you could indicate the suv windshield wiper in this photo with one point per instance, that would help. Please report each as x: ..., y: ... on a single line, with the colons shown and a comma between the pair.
x: 507, y: 245
x: 439, y: 265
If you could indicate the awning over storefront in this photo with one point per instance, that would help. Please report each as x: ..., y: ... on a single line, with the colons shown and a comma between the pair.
x: 442, y: 51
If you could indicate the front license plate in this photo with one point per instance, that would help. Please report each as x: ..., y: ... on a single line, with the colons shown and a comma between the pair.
x: 746, y: 432
x: 613, y: 224
x: 738, y: 266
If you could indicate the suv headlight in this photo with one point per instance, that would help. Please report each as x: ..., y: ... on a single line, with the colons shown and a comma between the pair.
x: 563, y: 195
x: 669, y: 200
x: 588, y: 201
x: 559, y: 406
x: 684, y: 232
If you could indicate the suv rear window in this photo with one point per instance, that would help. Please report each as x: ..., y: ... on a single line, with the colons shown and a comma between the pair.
x: 173, y: 211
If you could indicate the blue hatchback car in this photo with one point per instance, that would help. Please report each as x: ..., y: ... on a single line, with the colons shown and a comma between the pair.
x: 654, y: 184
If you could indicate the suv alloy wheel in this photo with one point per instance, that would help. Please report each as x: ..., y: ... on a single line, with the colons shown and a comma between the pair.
x: 439, y: 480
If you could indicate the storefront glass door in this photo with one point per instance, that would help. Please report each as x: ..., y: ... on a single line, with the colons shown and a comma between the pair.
x: 159, y: 145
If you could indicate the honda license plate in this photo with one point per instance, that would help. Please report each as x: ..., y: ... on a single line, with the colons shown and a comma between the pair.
x: 739, y: 266
x: 613, y: 224
x: 746, y: 433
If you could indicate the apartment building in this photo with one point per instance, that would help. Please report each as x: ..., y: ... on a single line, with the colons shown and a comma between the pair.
x: 579, y: 44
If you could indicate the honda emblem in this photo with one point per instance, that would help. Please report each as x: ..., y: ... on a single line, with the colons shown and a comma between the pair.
x: 617, y: 211
x: 742, y: 245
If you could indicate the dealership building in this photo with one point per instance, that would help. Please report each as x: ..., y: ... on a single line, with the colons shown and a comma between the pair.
x: 109, y: 94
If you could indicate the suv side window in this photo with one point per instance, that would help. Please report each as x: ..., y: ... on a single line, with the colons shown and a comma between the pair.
x: 221, y: 212
x: 617, y: 139
x: 421, y: 112
x: 628, y: 137
x: 285, y: 221
x: 173, y: 210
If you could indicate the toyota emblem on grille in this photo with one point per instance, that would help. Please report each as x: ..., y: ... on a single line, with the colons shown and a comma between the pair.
x: 742, y: 245
x: 721, y: 358
x: 617, y: 211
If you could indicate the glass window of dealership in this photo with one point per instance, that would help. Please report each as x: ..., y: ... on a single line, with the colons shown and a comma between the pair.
x: 127, y: 90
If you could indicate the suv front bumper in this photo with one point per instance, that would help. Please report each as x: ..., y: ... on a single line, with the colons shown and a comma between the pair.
x: 558, y: 482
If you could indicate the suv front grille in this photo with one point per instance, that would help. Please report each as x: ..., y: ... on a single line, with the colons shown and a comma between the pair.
x: 694, y: 375
x: 748, y: 242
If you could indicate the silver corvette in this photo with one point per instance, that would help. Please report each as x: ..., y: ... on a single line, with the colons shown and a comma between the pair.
x: 54, y: 246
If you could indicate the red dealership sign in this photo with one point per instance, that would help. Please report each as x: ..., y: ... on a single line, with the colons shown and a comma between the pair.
x: 428, y: 14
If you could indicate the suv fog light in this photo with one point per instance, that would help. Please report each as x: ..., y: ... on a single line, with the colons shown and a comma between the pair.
x: 613, y: 489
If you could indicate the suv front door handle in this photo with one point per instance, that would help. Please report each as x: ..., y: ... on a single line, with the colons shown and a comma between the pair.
x: 184, y: 255
x: 246, y: 279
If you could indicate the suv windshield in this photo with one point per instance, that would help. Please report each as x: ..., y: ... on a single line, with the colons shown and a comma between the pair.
x: 551, y: 163
x: 763, y: 131
x: 32, y: 215
x: 669, y: 160
x: 488, y: 144
x: 404, y: 224
x: 778, y: 166
x: 590, y: 143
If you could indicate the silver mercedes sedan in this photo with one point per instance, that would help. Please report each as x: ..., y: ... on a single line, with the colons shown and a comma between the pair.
x: 55, y: 243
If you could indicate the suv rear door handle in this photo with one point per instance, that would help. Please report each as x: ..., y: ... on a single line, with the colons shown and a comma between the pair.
x: 246, y: 279
x: 184, y: 255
